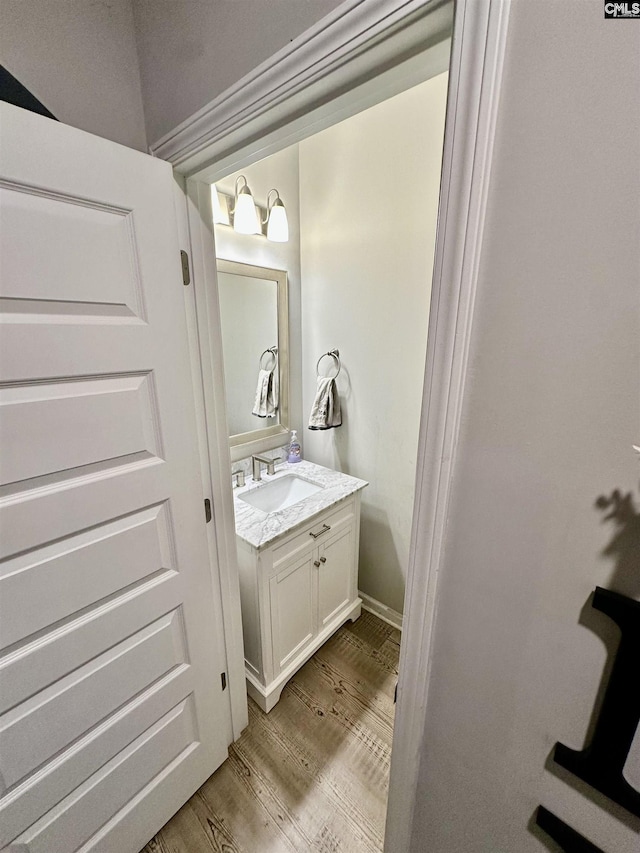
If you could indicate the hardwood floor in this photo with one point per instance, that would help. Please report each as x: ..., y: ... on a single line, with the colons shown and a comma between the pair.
x: 311, y: 775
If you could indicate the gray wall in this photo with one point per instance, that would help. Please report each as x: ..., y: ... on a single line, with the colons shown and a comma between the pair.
x: 368, y: 207
x: 78, y: 57
x: 93, y: 62
x: 192, y: 50
x: 552, y: 408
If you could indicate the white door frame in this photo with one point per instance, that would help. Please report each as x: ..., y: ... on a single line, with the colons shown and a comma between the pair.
x: 207, y: 374
x: 276, y: 105
x: 206, y: 353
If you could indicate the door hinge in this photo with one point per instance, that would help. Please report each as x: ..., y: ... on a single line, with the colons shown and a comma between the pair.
x: 207, y: 510
x: 223, y: 679
x: 184, y: 260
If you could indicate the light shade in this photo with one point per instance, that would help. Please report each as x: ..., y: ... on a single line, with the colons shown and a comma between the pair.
x: 278, y: 227
x: 219, y: 207
x: 245, y: 216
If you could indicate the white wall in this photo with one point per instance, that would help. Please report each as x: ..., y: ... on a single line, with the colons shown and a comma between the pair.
x: 551, y: 410
x: 192, y: 50
x: 369, y: 197
x: 279, y: 171
x: 78, y: 57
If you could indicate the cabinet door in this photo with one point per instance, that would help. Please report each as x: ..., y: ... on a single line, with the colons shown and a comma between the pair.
x: 292, y: 610
x: 336, y: 575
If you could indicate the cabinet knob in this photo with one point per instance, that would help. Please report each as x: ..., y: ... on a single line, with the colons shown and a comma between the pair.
x: 323, y: 559
x: 316, y: 564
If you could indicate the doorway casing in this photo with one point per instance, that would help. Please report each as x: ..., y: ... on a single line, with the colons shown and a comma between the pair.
x: 359, y: 55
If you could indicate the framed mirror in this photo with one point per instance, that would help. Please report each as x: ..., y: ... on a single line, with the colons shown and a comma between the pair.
x: 254, y: 316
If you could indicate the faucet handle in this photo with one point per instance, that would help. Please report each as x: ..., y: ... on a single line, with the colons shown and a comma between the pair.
x: 238, y: 476
x: 270, y: 462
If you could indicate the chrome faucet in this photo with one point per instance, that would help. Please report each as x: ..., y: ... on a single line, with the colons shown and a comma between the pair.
x: 238, y: 476
x: 256, y: 462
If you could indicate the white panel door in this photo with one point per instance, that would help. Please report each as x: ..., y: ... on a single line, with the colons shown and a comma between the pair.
x: 111, y: 706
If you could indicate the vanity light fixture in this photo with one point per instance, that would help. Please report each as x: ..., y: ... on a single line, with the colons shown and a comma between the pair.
x: 278, y: 226
x: 219, y: 207
x: 245, y: 216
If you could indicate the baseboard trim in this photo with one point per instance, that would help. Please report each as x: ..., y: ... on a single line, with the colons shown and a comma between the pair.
x: 392, y: 617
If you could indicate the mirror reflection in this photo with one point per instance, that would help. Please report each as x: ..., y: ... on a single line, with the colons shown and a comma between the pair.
x: 255, y: 348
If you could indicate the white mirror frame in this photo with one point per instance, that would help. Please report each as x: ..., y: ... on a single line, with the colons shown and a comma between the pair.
x: 266, y: 438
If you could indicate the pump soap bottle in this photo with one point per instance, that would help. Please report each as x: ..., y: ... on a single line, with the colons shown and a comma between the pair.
x: 294, y: 454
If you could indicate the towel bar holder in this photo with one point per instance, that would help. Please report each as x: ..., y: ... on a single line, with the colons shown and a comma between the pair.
x: 335, y: 355
x: 273, y: 351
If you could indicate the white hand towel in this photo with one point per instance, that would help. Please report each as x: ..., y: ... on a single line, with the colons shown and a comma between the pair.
x: 266, y: 402
x: 325, y: 412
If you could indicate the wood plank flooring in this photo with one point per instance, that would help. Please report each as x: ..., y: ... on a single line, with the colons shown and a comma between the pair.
x: 312, y: 775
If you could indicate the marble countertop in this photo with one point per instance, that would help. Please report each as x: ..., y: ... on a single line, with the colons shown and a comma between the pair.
x: 260, y: 529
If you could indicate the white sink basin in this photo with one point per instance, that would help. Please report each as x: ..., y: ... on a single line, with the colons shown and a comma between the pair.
x: 280, y: 493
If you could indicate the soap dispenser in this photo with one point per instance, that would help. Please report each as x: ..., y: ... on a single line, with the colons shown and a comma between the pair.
x: 294, y: 454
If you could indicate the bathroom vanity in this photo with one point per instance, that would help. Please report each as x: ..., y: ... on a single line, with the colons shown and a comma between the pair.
x: 297, y: 536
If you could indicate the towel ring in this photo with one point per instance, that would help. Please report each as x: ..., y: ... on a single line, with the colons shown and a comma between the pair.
x: 335, y: 355
x: 272, y: 351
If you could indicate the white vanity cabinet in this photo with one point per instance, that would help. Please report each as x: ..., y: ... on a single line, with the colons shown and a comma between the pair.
x: 295, y: 593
